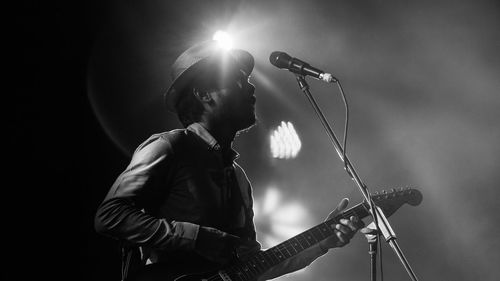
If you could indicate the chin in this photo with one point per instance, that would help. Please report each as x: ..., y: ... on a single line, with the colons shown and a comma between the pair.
x: 250, y: 121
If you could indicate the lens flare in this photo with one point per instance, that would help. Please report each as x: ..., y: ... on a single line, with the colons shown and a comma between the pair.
x: 223, y: 39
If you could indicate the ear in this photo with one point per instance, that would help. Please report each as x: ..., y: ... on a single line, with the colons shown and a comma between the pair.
x: 203, y: 97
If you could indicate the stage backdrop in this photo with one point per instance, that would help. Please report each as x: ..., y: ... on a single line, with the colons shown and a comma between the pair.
x: 422, y: 82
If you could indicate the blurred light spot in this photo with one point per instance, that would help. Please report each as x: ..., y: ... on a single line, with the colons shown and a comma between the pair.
x: 285, y: 143
x: 277, y: 220
x: 271, y: 200
x: 290, y: 213
x: 223, y: 39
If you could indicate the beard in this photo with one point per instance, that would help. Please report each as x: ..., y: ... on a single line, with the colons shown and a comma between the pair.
x: 240, y: 114
x: 248, y: 127
x: 238, y: 110
x: 246, y: 121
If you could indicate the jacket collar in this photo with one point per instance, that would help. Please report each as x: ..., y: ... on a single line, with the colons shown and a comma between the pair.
x: 212, y: 143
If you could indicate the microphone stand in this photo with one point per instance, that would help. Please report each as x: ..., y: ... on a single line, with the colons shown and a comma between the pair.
x: 372, y: 238
x: 379, y: 218
x: 372, y: 251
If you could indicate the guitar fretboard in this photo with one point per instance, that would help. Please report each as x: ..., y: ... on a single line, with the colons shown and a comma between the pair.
x: 262, y: 261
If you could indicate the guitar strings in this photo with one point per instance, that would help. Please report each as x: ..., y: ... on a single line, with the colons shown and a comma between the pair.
x: 285, y: 249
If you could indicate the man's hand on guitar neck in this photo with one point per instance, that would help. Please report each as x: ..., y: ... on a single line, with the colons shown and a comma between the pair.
x: 344, y: 230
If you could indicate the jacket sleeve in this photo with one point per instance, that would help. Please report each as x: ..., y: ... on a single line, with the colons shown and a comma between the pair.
x: 121, y: 214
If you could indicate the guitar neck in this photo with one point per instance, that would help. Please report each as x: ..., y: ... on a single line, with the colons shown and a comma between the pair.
x: 262, y: 261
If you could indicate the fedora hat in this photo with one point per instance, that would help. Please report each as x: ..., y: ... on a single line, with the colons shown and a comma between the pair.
x: 202, y: 59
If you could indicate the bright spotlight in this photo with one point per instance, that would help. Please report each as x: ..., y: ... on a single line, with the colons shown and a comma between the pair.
x: 285, y: 143
x: 223, y: 39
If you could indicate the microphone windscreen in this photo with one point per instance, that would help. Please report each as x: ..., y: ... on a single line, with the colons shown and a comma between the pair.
x: 280, y: 59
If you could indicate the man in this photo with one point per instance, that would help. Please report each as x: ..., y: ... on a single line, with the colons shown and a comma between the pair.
x: 182, y: 200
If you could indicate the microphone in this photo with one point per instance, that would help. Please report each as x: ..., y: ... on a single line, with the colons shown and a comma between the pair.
x: 284, y: 61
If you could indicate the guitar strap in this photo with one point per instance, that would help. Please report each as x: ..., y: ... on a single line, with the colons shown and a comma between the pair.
x: 235, y: 208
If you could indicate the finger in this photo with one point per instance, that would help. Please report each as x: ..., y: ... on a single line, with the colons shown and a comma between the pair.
x: 344, y: 229
x: 349, y: 223
x: 343, y: 239
x: 331, y: 215
x: 342, y: 205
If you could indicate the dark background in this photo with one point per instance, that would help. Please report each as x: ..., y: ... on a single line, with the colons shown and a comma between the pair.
x: 55, y: 147
x: 421, y: 77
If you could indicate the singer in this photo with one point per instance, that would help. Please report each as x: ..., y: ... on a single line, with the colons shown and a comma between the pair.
x: 183, y: 206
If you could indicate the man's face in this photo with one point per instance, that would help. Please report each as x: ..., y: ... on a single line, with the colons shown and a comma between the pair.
x: 236, y: 101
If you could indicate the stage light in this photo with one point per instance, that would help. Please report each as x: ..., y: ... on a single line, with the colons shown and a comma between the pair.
x: 223, y: 39
x: 285, y: 143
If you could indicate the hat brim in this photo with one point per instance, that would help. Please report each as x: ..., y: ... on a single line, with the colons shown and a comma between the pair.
x: 238, y: 59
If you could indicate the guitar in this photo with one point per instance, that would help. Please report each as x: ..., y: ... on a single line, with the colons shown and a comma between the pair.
x: 255, y: 265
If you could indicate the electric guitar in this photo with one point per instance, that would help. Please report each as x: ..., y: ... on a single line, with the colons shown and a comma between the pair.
x: 255, y: 265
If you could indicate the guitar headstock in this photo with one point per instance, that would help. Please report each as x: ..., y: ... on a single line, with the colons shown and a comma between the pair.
x: 390, y: 201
